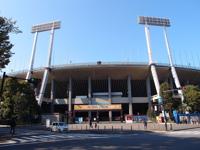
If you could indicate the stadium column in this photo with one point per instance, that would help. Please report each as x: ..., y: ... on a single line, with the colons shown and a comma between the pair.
x: 89, y: 95
x: 70, y: 101
x: 148, y: 87
x: 130, y: 95
x: 109, y: 97
x: 52, y: 95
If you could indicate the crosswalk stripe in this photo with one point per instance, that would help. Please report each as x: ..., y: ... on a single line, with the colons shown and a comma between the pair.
x: 21, y: 140
x: 30, y: 139
x: 54, y: 137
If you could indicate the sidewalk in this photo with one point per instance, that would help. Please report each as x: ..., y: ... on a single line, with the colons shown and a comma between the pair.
x: 102, y: 127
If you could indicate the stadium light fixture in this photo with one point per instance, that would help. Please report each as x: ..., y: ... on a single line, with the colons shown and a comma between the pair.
x: 51, y: 26
x: 46, y: 26
x: 154, y: 21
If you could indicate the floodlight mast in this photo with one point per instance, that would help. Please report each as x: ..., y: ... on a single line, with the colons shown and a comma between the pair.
x: 30, y: 70
x: 41, y: 28
x: 164, y: 23
x: 142, y: 20
x: 173, y: 70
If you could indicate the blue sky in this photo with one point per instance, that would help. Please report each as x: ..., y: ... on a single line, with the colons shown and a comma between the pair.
x: 105, y: 30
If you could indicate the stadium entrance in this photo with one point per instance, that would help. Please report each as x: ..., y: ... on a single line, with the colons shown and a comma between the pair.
x: 98, y: 112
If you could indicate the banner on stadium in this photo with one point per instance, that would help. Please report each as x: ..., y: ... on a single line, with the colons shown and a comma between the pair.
x: 98, y: 107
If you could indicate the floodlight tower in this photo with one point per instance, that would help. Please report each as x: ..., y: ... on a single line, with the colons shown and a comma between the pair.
x: 164, y: 23
x: 41, y: 28
x: 148, y: 21
x: 173, y: 70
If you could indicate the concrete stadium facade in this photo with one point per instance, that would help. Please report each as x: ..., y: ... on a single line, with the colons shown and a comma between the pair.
x: 129, y: 85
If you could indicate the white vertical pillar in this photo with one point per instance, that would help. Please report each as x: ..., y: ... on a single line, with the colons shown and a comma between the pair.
x: 148, y: 86
x: 28, y: 76
x: 153, y: 68
x: 173, y: 70
x: 70, y: 100
x: 89, y: 95
x: 70, y: 96
x: 46, y: 72
x: 130, y: 95
x: 110, y: 97
x: 89, y: 90
x: 52, y: 95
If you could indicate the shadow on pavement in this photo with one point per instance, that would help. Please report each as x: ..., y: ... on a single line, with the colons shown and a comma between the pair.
x: 136, y: 140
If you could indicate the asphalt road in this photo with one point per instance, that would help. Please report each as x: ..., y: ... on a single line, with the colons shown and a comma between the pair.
x: 40, y: 140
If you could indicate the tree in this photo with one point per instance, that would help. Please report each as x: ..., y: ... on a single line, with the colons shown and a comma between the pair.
x: 192, y: 97
x: 170, y: 103
x: 6, y: 26
x: 18, y: 100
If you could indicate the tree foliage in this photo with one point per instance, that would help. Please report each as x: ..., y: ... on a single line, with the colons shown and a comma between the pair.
x: 167, y: 94
x: 18, y: 100
x: 192, y: 97
x: 6, y: 26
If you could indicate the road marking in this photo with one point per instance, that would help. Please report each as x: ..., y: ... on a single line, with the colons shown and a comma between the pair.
x: 184, y: 133
x: 53, y: 137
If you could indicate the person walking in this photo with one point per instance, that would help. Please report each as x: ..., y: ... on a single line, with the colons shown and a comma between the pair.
x: 12, y: 126
x: 90, y: 122
x: 145, y: 123
x: 95, y: 125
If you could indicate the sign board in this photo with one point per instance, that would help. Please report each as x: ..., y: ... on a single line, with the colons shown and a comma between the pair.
x: 129, y: 118
x: 98, y: 107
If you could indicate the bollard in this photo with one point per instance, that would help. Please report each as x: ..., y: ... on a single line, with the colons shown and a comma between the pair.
x: 112, y: 128
x: 154, y: 126
x: 138, y: 126
x: 86, y: 127
x: 131, y: 128
x: 121, y: 128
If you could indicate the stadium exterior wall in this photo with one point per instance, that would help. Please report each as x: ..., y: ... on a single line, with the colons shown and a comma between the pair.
x: 88, y: 79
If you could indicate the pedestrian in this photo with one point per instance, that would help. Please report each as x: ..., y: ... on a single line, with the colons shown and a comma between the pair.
x: 121, y: 119
x: 12, y: 126
x: 90, y: 122
x: 145, y: 123
x: 95, y: 125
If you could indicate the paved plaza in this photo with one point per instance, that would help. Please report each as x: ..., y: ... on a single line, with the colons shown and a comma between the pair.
x: 44, y: 139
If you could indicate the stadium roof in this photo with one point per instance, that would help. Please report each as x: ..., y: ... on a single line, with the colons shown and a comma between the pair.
x: 138, y: 71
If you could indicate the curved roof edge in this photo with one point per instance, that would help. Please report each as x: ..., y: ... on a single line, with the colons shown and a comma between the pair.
x: 105, y: 64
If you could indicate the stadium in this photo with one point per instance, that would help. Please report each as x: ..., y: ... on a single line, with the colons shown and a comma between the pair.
x: 107, y: 90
